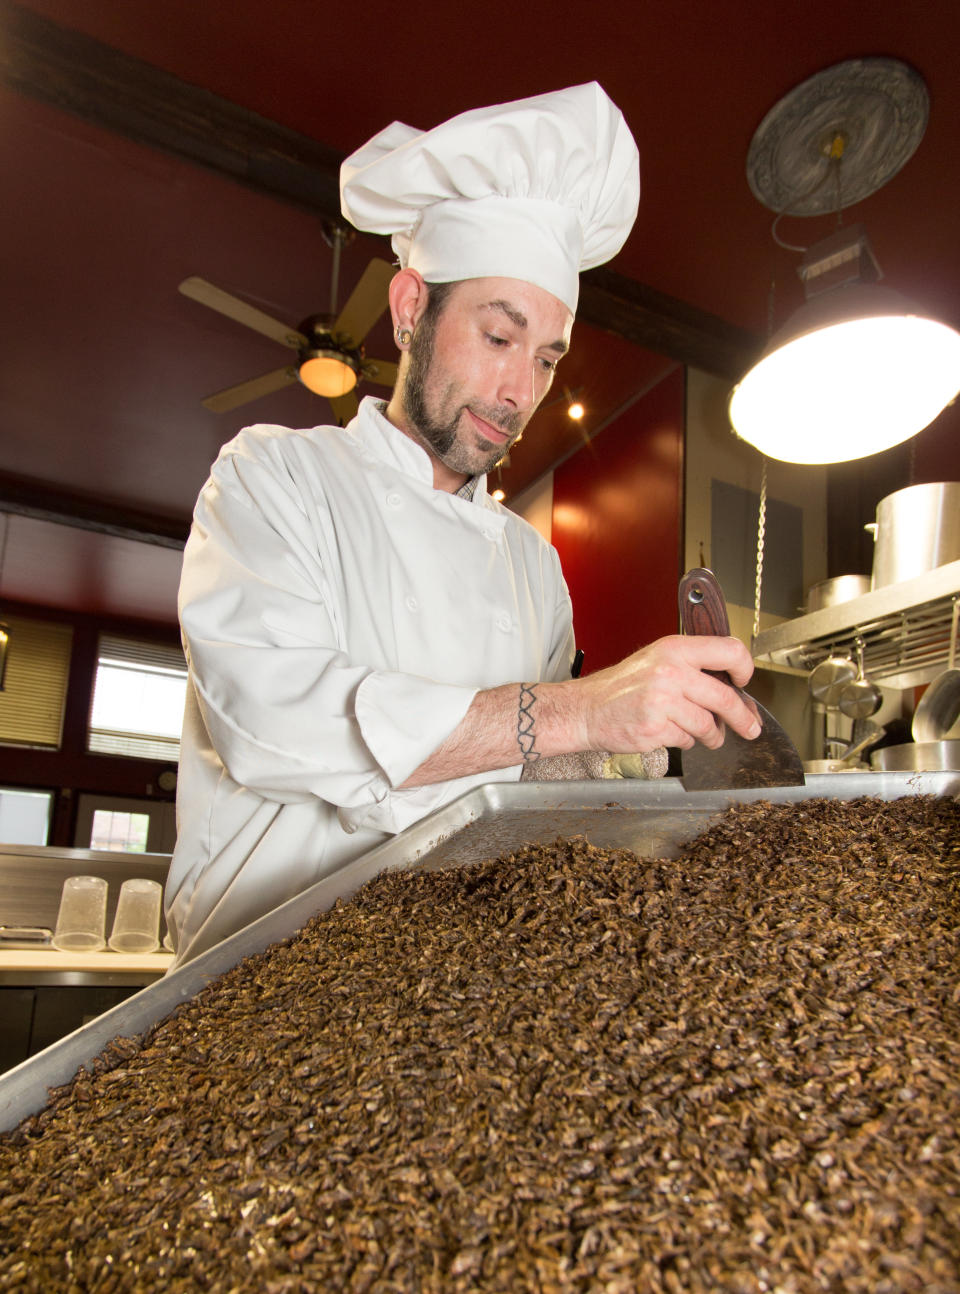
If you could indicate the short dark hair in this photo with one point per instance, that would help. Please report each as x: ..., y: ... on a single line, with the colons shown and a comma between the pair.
x: 437, y: 294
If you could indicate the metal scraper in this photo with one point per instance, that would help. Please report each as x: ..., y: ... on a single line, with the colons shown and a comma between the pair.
x: 770, y: 759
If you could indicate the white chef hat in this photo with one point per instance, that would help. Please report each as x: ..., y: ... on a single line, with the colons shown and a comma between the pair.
x: 536, y: 190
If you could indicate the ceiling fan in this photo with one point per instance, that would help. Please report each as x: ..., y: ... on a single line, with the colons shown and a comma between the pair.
x: 330, y: 355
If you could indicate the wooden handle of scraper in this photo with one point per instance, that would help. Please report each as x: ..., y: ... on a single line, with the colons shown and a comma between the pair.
x: 703, y: 609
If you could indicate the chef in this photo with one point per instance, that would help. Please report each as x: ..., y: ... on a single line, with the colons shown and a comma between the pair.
x: 368, y: 634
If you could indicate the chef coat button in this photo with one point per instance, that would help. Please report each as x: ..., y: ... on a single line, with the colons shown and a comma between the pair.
x: 489, y: 534
x: 504, y: 622
x: 393, y: 499
x: 412, y: 604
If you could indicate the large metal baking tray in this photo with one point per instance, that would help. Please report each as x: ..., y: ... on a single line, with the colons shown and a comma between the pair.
x: 652, y: 818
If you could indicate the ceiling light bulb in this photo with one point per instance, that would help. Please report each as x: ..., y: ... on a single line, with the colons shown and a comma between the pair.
x: 575, y: 411
x: 829, y: 389
x: 327, y: 373
x: 499, y: 495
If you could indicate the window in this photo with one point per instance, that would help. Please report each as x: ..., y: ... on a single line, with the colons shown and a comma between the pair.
x: 138, y: 700
x: 120, y: 831
x: 24, y: 816
x: 35, y: 685
x: 122, y: 822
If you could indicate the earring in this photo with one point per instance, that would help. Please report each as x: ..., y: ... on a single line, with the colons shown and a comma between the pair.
x: 404, y: 335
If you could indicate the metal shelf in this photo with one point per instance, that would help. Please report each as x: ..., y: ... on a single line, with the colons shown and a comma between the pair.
x: 906, y: 631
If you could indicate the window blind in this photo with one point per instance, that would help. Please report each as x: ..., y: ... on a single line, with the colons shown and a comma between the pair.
x: 138, y: 697
x: 35, y: 687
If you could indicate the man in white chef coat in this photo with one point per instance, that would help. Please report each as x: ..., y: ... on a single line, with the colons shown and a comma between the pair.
x: 369, y: 635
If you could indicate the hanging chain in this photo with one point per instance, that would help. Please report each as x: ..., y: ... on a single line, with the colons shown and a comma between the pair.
x: 761, y: 536
x: 762, y: 517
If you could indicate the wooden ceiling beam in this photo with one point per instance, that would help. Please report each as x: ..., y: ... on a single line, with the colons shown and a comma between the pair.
x: 112, y: 90
x: 41, y: 502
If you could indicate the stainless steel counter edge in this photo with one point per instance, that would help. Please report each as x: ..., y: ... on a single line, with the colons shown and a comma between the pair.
x: 502, y: 809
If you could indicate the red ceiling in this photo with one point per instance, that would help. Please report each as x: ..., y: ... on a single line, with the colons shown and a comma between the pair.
x: 103, y: 364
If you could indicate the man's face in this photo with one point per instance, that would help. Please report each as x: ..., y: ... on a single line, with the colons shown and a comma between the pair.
x: 478, y: 371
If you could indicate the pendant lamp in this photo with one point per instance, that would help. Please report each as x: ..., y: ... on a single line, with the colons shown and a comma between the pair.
x: 857, y: 368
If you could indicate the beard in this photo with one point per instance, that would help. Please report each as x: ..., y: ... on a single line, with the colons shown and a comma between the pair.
x: 441, y: 431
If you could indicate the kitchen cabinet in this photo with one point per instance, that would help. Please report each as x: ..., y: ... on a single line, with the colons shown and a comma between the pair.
x: 907, y: 630
x: 31, y: 1018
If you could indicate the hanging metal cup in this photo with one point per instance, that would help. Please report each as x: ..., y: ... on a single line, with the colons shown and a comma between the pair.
x: 861, y: 698
x: 830, y: 677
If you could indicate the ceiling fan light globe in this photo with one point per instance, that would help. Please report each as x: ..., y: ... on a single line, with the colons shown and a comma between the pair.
x: 847, y: 389
x: 328, y: 373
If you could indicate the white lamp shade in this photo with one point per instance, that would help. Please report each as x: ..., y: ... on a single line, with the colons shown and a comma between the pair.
x: 854, y: 371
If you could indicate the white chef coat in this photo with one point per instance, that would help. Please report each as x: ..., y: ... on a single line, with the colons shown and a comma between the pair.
x: 339, y: 614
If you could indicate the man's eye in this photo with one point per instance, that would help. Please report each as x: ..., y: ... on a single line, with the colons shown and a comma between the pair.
x: 494, y: 340
x: 548, y: 365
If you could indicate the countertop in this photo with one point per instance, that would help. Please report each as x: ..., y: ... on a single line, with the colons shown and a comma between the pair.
x: 53, y: 959
x: 26, y: 966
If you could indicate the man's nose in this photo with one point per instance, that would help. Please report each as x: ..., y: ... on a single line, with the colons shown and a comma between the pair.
x: 517, y: 386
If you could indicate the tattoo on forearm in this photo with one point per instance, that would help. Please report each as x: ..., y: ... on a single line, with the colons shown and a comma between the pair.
x: 526, y: 736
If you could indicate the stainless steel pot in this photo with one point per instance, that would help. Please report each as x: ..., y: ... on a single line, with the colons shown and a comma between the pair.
x: 918, y: 757
x: 917, y: 530
x: 832, y: 593
x: 938, y: 709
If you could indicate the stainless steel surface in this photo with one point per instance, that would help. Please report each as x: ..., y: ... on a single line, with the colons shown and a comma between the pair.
x: 652, y: 818
x: 29, y: 937
x: 919, y: 756
x: 905, y: 630
x: 832, y: 593
x: 939, y: 708
x: 770, y: 759
x: 917, y: 530
x: 31, y: 878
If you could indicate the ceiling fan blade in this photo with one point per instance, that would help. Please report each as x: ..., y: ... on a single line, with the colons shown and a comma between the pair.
x: 367, y: 301
x: 208, y: 295
x: 252, y: 389
x: 344, y: 407
x: 382, y: 372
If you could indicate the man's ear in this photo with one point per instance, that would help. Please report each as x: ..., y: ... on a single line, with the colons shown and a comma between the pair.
x: 408, y: 298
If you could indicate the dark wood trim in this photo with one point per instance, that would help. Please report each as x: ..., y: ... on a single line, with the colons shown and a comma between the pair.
x: 112, y: 90
x: 26, y: 498
x: 82, y: 76
x: 663, y: 324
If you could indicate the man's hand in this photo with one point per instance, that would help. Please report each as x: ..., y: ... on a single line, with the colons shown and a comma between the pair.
x: 660, y: 696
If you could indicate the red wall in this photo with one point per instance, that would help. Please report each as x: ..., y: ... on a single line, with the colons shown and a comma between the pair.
x: 618, y: 526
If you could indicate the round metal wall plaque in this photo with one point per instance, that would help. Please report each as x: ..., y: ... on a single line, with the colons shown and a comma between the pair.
x: 874, y: 109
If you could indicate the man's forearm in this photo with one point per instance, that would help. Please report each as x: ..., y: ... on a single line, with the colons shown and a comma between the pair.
x: 665, y: 694
x: 512, y: 724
